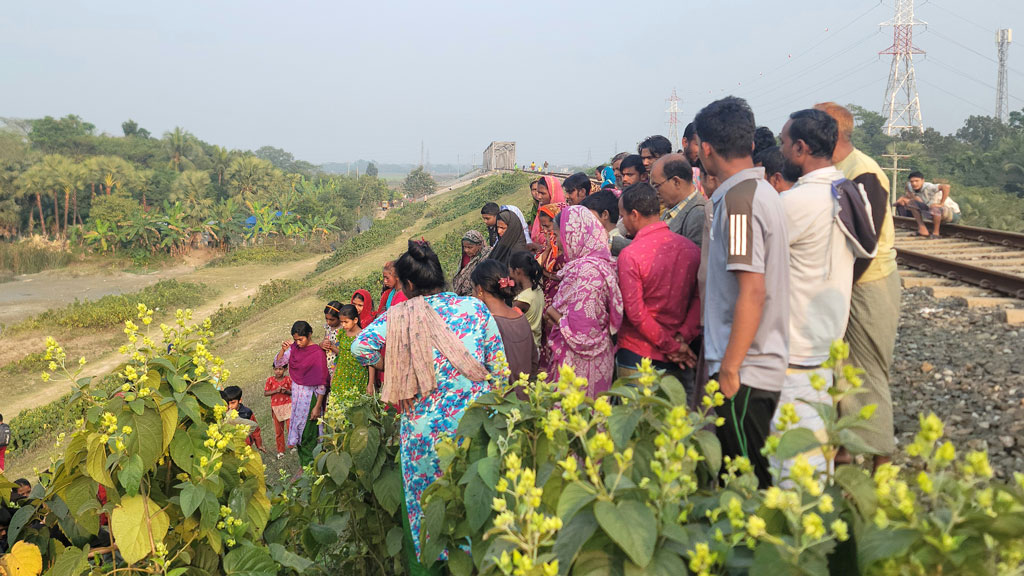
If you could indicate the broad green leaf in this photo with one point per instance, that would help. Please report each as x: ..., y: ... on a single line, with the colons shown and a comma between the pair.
x: 459, y: 563
x: 18, y: 522
x: 257, y: 509
x: 571, y: 538
x: 388, y: 490
x: 96, y: 461
x: 24, y: 559
x: 859, y: 487
x: 146, y: 439
x: 323, y: 534
x: 489, y: 470
x: 187, y: 447
x: 368, y: 441
x: 875, y: 544
x: 133, y: 522
x: 769, y: 562
x: 478, y: 500
x: 574, y: 497
x: 394, y: 540
x: 206, y: 393
x: 191, y: 496
x: 674, y: 390
x: 130, y: 475
x: 249, y: 560
x: 852, y: 441
x: 632, y: 526
x: 665, y: 563
x: 795, y: 442
x: 70, y: 562
x: 338, y: 464
x: 289, y: 559
x: 711, y: 449
x: 597, y: 563
x: 169, y: 418
x: 79, y: 495
x: 622, y: 423
x: 189, y: 406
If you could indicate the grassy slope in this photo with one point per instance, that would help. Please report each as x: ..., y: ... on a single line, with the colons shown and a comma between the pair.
x: 249, y: 350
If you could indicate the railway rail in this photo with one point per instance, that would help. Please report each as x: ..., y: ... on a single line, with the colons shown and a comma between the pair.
x: 989, y: 259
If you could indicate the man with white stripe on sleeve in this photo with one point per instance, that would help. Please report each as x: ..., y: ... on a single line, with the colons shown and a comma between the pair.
x: 746, y: 307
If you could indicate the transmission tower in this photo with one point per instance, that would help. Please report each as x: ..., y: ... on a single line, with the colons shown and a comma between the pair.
x: 902, y: 105
x: 1003, y: 39
x: 673, y: 119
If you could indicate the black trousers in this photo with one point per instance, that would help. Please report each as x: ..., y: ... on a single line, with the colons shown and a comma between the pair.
x: 748, y: 422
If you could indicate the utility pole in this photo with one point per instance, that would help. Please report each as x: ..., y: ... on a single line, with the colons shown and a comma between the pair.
x: 895, y: 171
x: 421, y: 154
x: 902, y: 105
x: 1003, y: 39
x: 673, y: 119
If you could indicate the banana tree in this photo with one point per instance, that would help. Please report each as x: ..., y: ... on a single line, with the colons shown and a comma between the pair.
x: 103, y: 235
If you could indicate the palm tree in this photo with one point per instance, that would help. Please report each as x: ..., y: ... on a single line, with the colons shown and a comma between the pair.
x: 221, y: 162
x: 249, y: 176
x: 33, y: 181
x: 70, y: 177
x: 180, y: 144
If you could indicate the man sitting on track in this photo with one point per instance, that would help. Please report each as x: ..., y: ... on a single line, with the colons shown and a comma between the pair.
x: 927, y: 201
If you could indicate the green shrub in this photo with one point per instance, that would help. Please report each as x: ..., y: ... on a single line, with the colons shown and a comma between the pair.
x: 32, y: 362
x: 382, y: 233
x: 472, y: 199
x: 36, y: 424
x: 267, y: 296
x: 25, y: 258
x: 264, y: 254
x: 114, y: 309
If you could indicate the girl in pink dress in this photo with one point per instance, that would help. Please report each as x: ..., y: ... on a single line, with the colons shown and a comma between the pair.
x: 587, y: 308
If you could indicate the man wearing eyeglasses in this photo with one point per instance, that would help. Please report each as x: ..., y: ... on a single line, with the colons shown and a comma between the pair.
x: 672, y: 179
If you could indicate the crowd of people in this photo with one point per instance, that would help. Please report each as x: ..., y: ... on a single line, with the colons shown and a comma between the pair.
x: 740, y: 257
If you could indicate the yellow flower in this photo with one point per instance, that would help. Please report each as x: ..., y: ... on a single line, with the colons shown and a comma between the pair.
x: 946, y: 452
x: 44, y: 377
x: 551, y: 568
x: 826, y: 505
x: 867, y: 412
x: 602, y: 406
x: 841, y: 530
x: 976, y: 464
x: 499, y: 504
x: 756, y: 526
x: 813, y: 526
x: 925, y: 482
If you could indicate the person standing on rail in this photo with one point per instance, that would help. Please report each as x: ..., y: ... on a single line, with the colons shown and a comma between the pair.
x: 927, y: 201
x: 875, y: 301
x: 746, y: 312
x: 820, y: 209
x: 652, y: 148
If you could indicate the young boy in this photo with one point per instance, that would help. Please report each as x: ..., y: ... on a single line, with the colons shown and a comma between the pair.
x: 232, y: 395
x: 279, y: 388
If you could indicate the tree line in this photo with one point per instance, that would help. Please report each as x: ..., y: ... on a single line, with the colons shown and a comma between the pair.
x: 62, y: 180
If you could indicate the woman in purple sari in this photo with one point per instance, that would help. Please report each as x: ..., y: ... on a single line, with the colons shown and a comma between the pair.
x: 587, y: 308
x: 307, y: 367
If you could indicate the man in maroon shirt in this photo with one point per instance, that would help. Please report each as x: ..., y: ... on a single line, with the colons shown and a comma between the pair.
x: 658, y: 280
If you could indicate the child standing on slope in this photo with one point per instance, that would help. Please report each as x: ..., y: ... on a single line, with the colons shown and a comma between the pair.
x: 279, y: 388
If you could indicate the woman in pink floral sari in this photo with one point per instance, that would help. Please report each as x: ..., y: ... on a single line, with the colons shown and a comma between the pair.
x: 587, y: 309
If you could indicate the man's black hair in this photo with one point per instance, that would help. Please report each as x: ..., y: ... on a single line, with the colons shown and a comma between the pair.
x: 915, y: 174
x: 603, y: 201
x: 772, y: 160
x: 490, y: 208
x: 678, y: 167
x: 817, y: 129
x: 642, y: 198
x: 231, y: 393
x: 689, y: 132
x: 618, y: 157
x: 1, y: 417
x: 633, y: 161
x: 764, y: 138
x: 727, y: 125
x: 658, y: 145
x: 577, y: 181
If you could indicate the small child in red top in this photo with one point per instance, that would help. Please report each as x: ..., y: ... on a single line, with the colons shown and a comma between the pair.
x: 232, y: 395
x: 279, y: 388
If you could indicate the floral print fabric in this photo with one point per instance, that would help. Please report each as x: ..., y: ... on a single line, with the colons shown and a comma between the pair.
x: 437, y: 416
x: 589, y: 301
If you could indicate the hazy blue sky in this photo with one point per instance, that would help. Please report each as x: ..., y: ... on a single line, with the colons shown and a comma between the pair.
x: 336, y: 81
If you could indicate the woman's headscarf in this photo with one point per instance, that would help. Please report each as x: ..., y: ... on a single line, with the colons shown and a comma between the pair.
x: 518, y: 212
x: 557, y: 196
x: 586, y: 249
x: 462, y: 284
x: 514, y: 239
x: 308, y: 366
x: 366, y: 316
x: 608, y: 178
x: 551, y: 211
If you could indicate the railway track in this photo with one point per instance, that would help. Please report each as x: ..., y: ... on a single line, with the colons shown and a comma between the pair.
x: 990, y: 261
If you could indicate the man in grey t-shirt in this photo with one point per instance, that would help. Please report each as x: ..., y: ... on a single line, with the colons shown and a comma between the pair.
x: 746, y: 308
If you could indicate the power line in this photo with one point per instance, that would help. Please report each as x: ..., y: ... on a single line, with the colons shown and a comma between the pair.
x: 956, y: 15
x: 941, y: 89
x: 952, y: 41
x: 776, y: 103
x: 969, y: 77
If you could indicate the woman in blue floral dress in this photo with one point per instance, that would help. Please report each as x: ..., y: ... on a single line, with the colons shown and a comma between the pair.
x: 444, y: 351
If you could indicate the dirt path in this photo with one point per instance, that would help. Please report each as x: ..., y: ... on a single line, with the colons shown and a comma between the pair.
x: 234, y: 285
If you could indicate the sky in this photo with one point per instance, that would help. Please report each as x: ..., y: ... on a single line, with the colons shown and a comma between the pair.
x: 570, y: 82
